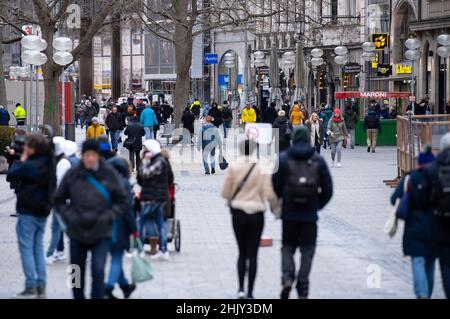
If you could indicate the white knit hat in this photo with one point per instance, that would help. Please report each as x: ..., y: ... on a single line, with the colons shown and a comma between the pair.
x: 153, y: 146
x: 445, y: 141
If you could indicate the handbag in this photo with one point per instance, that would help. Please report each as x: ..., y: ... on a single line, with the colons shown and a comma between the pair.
x: 129, y: 143
x: 140, y: 267
x: 241, y: 184
x: 403, y: 206
x: 390, y: 227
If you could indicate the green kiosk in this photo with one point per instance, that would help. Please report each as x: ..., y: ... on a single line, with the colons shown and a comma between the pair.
x: 388, y: 127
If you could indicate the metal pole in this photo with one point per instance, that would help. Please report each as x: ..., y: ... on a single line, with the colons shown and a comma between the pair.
x: 410, y: 138
x: 315, y: 89
x: 37, y: 98
x: 246, y: 67
x: 412, y: 86
x: 63, y: 106
x: 30, y: 107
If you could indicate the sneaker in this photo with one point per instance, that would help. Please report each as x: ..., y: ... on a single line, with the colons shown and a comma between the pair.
x: 127, y: 290
x: 373, y: 151
x: 206, y: 173
x: 338, y: 165
x: 241, y: 295
x: 165, y: 256
x: 41, y: 293
x: 158, y: 255
x: 50, y: 260
x: 285, y: 292
x: 109, y: 294
x: 28, y: 293
x: 368, y: 149
x: 60, y: 256
x: 213, y: 170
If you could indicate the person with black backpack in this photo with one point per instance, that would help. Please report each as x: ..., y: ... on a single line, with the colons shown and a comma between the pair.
x: 285, y: 129
x: 438, y: 175
x: 304, y: 183
x: 371, y: 125
x: 33, y: 178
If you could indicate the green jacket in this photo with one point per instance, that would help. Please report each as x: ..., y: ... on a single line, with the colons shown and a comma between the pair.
x: 336, y: 131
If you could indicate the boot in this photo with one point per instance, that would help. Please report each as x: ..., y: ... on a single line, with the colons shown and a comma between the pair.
x: 153, y: 245
x: 127, y: 290
x: 109, y: 294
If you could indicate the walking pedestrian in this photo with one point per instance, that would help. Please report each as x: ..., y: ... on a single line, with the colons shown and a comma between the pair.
x: 284, y: 131
x: 154, y: 178
x: 227, y: 118
x: 417, y: 235
x: 337, y: 134
x: 134, y: 132
x: 20, y: 114
x: 115, y: 123
x: 188, y: 120
x: 216, y: 114
x: 325, y: 114
x: 32, y: 178
x: 248, y: 115
x: 304, y: 184
x: 209, y: 139
x: 246, y: 189
x: 89, y: 198
x: 95, y: 130
x: 315, y: 128
x: 4, y: 116
x: 158, y: 117
x: 195, y: 108
x: 372, y: 125
x: 149, y: 121
x: 297, y: 118
x: 270, y: 114
x: 351, y: 118
x: 89, y: 113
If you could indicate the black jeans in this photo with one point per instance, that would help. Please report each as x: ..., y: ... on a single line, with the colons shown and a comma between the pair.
x: 135, y: 158
x: 303, y: 235
x: 78, y: 253
x: 443, y: 253
x: 248, y: 230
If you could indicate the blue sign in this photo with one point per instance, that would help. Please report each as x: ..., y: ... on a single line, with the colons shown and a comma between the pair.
x: 211, y: 58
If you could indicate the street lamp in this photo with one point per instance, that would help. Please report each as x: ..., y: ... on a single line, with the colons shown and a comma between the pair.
x: 341, y: 58
x: 32, y: 55
x: 316, y: 61
x: 444, y: 52
x: 62, y: 58
x: 413, y: 55
x: 289, y: 64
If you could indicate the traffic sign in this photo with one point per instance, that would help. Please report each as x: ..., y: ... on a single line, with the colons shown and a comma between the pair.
x: 211, y: 58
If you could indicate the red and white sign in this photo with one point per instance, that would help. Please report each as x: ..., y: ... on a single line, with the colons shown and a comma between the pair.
x: 371, y: 95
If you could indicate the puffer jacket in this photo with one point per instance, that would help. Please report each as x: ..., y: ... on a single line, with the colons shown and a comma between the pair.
x: 95, y: 131
x: 89, y: 216
x: 154, y: 178
x: 297, y: 116
x: 337, y: 131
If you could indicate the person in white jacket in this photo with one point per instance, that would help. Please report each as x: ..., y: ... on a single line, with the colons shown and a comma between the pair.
x: 65, y: 152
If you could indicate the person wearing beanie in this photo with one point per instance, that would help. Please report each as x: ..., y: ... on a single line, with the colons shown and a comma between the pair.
x: 154, y: 178
x: 337, y: 134
x: 95, y: 130
x: 89, y: 198
x: 285, y: 129
x: 304, y: 184
x: 417, y: 234
x: 438, y: 176
x: 20, y: 114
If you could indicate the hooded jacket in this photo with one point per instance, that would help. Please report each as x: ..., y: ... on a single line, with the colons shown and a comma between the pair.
x: 135, y: 131
x: 4, y: 117
x: 20, y: 113
x: 297, y: 116
x: 302, y: 151
x: 148, y: 117
x: 95, y: 131
x: 269, y: 115
x: 88, y: 215
x: 248, y: 115
x: 216, y: 115
x: 154, y: 177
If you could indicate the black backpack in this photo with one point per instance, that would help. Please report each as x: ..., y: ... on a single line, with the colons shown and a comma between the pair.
x: 372, y: 120
x: 302, y: 182
x: 441, y: 191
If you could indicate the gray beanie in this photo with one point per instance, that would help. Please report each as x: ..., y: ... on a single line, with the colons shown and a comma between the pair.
x: 300, y: 135
x: 445, y: 141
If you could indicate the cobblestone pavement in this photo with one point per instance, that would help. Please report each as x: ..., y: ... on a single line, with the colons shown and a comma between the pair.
x: 352, y: 247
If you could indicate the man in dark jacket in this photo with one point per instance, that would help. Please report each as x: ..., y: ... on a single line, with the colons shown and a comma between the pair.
x: 4, y: 116
x: 188, y: 120
x: 32, y: 180
x: 372, y: 124
x: 89, y: 198
x: 166, y: 112
x: 154, y: 178
x: 89, y: 113
x: 227, y: 117
x: 304, y: 183
x: 216, y: 114
x: 350, y: 119
x: 115, y: 123
x: 134, y: 132
x: 140, y: 108
x: 270, y: 114
x: 285, y: 129
x: 438, y: 175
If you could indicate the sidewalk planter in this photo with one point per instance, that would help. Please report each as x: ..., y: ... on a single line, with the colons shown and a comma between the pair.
x: 386, y: 138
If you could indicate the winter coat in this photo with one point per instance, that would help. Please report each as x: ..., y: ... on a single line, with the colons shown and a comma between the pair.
x: 31, y: 185
x: 188, y: 121
x: 216, y: 115
x: 4, y: 117
x: 320, y: 136
x: 135, y: 131
x: 158, y: 117
x: 148, y: 118
x: 297, y: 116
x: 302, y: 151
x: 89, y: 216
x: 372, y: 121
x: 269, y: 115
x: 248, y: 116
x: 195, y: 108
x: 227, y: 115
x: 95, y: 131
x: 417, y: 236
x: 338, y: 131
x: 89, y: 113
x: 326, y: 114
x: 154, y: 177
x: 140, y: 108
x: 350, y: 118
x: 115, y: 121
x: 209, y: 135
x: 284, y: 126
x: 20, y: 113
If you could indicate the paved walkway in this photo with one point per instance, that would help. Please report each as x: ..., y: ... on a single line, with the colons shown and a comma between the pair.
x: 352, y: 248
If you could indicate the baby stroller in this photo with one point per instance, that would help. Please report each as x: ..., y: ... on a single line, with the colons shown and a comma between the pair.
x: 173, y: 224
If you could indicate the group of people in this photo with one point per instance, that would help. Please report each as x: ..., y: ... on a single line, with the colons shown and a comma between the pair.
x: 20, y: 114
x: 90, y: 199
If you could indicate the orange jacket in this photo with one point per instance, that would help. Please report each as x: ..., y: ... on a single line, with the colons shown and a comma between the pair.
x: 297, y: 117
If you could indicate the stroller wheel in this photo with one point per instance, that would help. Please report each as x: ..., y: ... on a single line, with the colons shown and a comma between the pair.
x: 177, y: 236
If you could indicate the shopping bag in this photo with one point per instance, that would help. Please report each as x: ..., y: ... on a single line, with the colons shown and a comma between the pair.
x: 390, y: 227
x: 403, y: 206
x: 140, y: 267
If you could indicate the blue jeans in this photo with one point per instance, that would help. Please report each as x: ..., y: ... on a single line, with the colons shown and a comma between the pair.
x: 148, y: 132
x: 209, y: 152
x: 226, y: 125
x: 56, y: 236
x: 30, y: 236
x: 116, y: 274
x: 154, y: 211
x: 423, y: 275
x: 115, y: 134
x: 99, y: 251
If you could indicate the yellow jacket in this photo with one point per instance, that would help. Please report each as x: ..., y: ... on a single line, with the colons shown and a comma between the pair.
x: 195, y: 103
x: 95, y: 131
x: 20, y: 113
x: 248, y: 116
x: 297, y: 116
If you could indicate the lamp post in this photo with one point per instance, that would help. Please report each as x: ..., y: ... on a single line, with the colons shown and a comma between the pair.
x: 413, y: 55
x: 341, y: 59
x: 367, y: 56
x: 230, y: 63
x: 289, y: 64
x: 17, y: 72
x: 33, y: 56
x: 444, y: 52
x: 316, y: 61
x: 62, y: 57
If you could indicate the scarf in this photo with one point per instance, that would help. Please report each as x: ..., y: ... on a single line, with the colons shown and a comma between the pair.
x: 336, y: 119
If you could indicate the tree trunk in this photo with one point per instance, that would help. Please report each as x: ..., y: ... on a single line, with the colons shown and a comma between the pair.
x: 86, y: 80
x: 183, y: 58
x: 3, y: 100
x: 116, y: 59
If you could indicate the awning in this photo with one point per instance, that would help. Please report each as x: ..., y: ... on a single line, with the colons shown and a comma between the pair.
x: 371, y: 95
